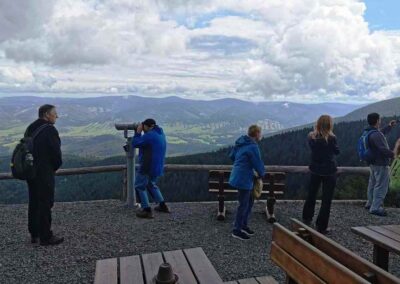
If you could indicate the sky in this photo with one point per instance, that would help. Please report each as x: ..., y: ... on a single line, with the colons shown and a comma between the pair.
x: 299, y: 50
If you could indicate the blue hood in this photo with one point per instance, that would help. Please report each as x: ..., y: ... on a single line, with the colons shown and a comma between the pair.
x: 244, y: 140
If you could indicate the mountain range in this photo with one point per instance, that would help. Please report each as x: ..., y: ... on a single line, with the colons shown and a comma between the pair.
x: 86, y: 125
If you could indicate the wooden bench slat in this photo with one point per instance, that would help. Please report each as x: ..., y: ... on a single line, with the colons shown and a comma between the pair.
x: 202, y: 267
x: 266, y: 280
x: 106, y: 271
x: 343, y: 255
x: 131, y: 270
x: 267, y: 186
x: 180, y: 266
x: 292, y: 267
x: 231, y: 282
x: 151, y: 264
x: 248, y: 281
x: 393, y: 228
x: 321, y: 264
x: 278, y: 176
x: 388, y: 233
x: 214, y: 190
x: 377, y: 238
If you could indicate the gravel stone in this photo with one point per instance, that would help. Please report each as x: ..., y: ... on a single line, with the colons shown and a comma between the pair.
x: 104, y: 229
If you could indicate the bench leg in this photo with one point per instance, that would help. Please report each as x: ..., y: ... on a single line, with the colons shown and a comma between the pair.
x: 221, y: 208
x: 381, y: 257
x: 269, y: 210
x: 289, y: 280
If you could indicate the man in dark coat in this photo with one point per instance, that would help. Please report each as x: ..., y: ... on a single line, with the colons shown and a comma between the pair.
x: 47, y: 159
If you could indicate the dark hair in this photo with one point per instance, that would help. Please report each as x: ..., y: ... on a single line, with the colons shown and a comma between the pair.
x: 45, y: 109
x: 373, y: 118
x: 149, y: 122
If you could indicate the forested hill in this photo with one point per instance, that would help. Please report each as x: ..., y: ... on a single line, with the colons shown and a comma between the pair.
x: 291, y: 148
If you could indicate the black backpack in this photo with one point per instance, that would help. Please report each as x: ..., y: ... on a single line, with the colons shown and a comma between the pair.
x: 22, y: 164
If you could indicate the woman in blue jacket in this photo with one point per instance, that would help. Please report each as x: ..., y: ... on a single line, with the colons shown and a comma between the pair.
x: 246, y: 158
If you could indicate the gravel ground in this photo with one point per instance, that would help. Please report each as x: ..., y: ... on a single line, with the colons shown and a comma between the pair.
x: 104, y: 229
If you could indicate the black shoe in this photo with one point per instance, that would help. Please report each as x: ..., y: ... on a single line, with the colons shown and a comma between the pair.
x: 248, y: 231
x: 145, y: 213
x: 324, y: 232
x: 52, y: 241
x: 379, y: 212
x: 34, y: 240
x: 162, y: 207
x: 240, y: 235
x: 307, y: 222
x: 367, y: 207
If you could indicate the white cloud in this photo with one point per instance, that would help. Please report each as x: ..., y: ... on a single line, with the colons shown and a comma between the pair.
x: 281, y: 50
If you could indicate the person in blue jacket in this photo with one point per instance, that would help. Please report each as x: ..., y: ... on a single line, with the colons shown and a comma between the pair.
x: 246, y: 159
x: 152, y: 148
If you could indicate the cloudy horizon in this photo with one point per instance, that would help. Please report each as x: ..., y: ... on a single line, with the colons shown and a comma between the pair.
x: 301, y: 51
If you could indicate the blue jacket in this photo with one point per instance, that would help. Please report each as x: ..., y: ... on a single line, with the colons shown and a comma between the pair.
x: 246, y: 158
x: 152, y: 148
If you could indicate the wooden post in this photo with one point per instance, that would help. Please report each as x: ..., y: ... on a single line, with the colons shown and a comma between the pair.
x: 269, y: 210
x: 221, y: 197
x: 381, y: 257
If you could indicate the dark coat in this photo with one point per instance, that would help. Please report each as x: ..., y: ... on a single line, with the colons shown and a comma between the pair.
x: 323, y: 154
x: 46, y: 150
x: 379, y: 146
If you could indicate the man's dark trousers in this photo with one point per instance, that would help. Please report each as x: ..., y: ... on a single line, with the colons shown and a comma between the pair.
x: 41, y: 200
x: 328, y: 189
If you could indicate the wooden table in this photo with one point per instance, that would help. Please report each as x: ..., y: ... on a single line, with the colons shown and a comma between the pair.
x: 191, y: 265
x: 384, y: 238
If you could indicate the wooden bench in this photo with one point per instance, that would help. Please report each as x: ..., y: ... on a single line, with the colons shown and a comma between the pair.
x: 310, y: 257
x: 191, y: 265
x: 273, y: 185
x: 256, y: 280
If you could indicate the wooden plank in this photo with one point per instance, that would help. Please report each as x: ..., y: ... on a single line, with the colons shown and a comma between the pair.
x: 106, y: 271
x: 131, y: 270
x: 231, y: 282
x: 214, y: 190
x: 393, y: 228
x: 248, y: 281
x: 202, y: 267
x: 378, y: 239
x: 386, y: 232
x: 180, y: 266
x: 151, y: 264
x: 318, y: 262
x: 343, y: 255
x: 266, y: 280
x: 278, y: 176
x: 292, y: 267
x: 267, y: 187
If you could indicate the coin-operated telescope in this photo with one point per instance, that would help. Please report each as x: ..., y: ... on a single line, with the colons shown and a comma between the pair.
x: 130, y: 161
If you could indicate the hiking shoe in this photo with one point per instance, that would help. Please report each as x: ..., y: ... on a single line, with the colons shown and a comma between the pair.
x: 248, y: 231
x: 240, y: 235
x: 52, y: 241
x: 144, y: 213
x: 324, y: 232
x: 162, y: 207
x: 367, y: 207
x: 380, y: 212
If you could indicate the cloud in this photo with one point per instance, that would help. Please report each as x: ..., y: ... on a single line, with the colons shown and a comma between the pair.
x: 277, y: 50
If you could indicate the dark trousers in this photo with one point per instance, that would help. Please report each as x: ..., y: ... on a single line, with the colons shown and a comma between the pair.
x: 328, y: 188
x: 41, y: 200
x: 246, y: 202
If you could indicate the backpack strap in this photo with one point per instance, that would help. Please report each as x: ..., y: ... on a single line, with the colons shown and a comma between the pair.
x: 39, y: 129
x: 366, y: 137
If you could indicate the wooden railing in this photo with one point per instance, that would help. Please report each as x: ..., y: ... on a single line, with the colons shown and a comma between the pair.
x: 172, y: 167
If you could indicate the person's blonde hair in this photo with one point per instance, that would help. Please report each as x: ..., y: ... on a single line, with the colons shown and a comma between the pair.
x: 253, y: 130
x: 397, y: 148
x: 323, y: 128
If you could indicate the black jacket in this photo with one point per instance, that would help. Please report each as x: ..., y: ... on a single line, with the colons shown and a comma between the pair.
x: 323, y: 154
x: 379, y: 146
x: 47, y: 148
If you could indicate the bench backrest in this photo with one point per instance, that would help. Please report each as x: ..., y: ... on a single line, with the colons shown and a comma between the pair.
x: 304, y: 263
x: 357, y: 264
x: 273, y: 182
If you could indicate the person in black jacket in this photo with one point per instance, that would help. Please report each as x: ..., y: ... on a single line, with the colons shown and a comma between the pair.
x: 47, y: 159
x: 323, y: 169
